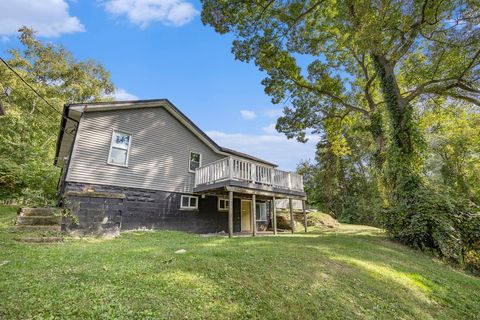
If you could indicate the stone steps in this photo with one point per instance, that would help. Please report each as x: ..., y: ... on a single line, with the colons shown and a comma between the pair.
x: 38, y: 220
x: 40, y: 239
x: 36, y: 212
x: 39, y: 225
x: 38, y: 228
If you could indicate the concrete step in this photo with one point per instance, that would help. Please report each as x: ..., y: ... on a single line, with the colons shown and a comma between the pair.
x: 28, y: 212
x: 38, y: 228
x: 38, y: 220
x: 40, y: 239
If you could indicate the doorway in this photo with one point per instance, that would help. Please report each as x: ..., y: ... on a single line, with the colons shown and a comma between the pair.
x: 246, y: 216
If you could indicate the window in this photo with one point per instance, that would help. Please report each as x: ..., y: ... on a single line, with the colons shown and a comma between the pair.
x: 119, y: 148
x: 223, y: 204
x: 261, y: 210
x: 195, y: 161
x: 188, y: 202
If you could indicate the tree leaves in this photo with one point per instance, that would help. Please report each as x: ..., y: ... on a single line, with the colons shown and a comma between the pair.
x: 29, y: 129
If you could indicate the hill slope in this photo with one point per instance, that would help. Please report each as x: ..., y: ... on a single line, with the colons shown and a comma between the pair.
x: 351, y: 272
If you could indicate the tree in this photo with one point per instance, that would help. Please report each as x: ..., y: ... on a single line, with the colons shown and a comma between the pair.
x: 374, y: 58
x: 30, y: 127
x: 343, y: 184
x: 454, y: 148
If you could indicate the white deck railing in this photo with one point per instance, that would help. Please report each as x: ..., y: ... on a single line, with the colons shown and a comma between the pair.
x: 232, y: 168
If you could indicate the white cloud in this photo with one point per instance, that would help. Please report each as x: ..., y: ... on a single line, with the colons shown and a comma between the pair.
x: 144, y: 12
x: 248, y: 115
x: 123, y: 95
x: 275, y: 148
x: 50, y: 18
x: 270, y: 129
x: 273, y: 113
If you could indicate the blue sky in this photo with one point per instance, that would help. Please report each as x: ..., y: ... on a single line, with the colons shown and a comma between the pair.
x: 160, y: 49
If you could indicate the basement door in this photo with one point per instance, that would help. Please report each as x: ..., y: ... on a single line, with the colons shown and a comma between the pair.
x: 246, y: 217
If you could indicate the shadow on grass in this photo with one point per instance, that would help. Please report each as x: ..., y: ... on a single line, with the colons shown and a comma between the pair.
x: 347, y: 273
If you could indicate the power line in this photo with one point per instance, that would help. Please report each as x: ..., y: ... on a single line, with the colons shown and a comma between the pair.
x: 41, y: 97
x: 36, y: 92
x: 39, y: 127
x: 28, y: 85
x: 36, y: 109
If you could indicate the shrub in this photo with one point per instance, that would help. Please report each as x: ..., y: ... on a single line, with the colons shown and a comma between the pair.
x: 437, y: 221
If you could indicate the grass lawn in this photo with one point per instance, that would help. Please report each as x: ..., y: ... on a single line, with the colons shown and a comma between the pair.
x: 353, y: 272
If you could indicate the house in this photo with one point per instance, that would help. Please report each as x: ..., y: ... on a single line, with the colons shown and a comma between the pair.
x: 144, y: 164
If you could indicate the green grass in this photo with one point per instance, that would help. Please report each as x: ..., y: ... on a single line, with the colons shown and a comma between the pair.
x: 353, y: 272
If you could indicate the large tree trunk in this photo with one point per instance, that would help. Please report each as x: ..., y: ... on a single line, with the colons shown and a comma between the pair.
x: 378, y: 135
x: 402, y: 175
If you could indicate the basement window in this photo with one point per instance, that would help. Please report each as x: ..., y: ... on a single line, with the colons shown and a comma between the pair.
x: 223, y: 204
x: 119, y: 148
x: 261, y: 209
x: 189, y: 202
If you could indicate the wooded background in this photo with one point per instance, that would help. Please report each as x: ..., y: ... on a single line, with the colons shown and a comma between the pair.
x: 391, y: 87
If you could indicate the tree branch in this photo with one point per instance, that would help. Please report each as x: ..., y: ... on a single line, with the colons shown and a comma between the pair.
x: 372, y: 105
x: 459, y: 96
x: 470, y: 65
x: 328, y: 94
x: 301, y: 15
x: 411, y: 35
x: 423, y: 87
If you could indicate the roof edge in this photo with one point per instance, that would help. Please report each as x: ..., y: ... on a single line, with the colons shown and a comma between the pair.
x: 119, y: 105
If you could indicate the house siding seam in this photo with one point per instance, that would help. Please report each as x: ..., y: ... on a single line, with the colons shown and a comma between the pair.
x: 159, y: 154
x: 144, y: 209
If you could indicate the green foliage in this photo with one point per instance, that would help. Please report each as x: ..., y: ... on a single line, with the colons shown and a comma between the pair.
x: 437, y: 221
x: 29, y: 129
x: 68, y: 209
x: 372, y: 59
x: 344, y: 182
x: 454, y: 143
x: 307, y: 276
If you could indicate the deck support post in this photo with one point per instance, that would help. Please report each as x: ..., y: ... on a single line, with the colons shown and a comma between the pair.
x: 304, y: 216
x: 292, y: 221
x: 254, y: 215
x: 274, y: 222
x: 230, y: 214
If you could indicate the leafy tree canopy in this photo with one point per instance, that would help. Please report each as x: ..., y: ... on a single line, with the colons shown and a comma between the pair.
x: 433, y: 47
x: 384, y: 61
x: 29, y: 129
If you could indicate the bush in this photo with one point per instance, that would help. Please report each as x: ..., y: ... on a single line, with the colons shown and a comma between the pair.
x: 436, y: 221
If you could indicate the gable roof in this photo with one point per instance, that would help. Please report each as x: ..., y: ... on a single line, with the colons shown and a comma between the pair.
x: 72, y: 113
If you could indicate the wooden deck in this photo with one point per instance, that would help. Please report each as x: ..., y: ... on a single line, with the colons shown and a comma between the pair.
x: 244, y: 176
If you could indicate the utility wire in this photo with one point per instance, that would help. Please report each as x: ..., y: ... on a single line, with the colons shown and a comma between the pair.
x: 39, y: 95
x: 36, y: 92
x: 28, y: 85
x: 36, y: 109
x: 36, y: 127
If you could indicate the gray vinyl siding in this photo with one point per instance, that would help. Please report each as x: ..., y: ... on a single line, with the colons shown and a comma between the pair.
x: 159, y: 152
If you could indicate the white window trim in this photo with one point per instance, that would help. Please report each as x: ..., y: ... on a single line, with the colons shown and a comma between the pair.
x: 218, y: 204
x: 266, y: 213
x: 128, y: 150
x: 188, y: 207
x: 190, y: 159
